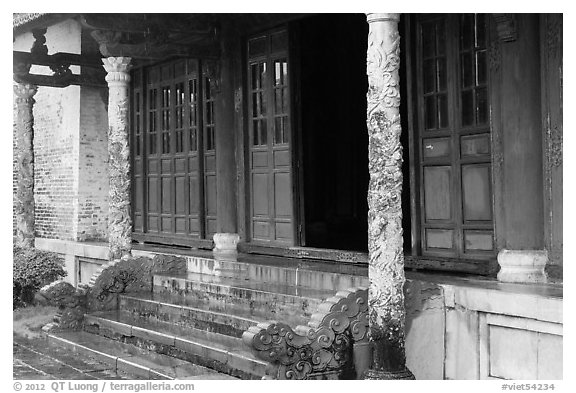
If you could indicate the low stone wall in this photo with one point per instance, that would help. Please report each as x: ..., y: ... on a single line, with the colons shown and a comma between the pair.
x: 480, y: 329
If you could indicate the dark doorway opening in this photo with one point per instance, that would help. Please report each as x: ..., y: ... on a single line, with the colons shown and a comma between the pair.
x: 334, y: 139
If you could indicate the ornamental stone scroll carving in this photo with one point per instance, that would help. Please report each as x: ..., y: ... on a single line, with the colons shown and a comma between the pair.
x: 321, y: 350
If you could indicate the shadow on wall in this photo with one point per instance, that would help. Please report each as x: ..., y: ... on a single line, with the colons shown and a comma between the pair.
x: 425, y: 329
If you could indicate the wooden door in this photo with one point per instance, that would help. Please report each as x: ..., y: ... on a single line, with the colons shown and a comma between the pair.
x: 453, y: 137
x: 173, y: 162
x: 270, y: 161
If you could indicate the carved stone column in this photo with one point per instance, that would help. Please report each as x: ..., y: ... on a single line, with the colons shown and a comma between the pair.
x: 119, y: 220
x: 24, y: 201
x: 386, y: 258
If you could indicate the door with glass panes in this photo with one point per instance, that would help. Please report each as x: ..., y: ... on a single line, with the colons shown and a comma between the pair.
x: 452, y: 137
x: 173, y: 153
x: 269, y: 140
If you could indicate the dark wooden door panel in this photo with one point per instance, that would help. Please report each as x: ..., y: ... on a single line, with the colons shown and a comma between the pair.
x: 453, y: 137
x: 173, y: 153
x: 439, y: 239
x: 437, y: 193
x: 270, y: 162
x: 476, y: 192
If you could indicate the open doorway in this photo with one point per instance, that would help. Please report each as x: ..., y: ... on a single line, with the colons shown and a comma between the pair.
x: 333, y: 135
x: 334, y: 139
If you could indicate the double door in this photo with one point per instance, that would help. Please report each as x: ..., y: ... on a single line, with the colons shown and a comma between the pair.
x: 173, y: 152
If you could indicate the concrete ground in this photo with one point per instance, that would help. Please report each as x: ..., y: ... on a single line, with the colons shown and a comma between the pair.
x: 36, y: 358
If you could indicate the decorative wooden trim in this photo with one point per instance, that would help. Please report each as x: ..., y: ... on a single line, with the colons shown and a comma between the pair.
x: 21, y: 19
x: 173, y: 240
x: 59, y: 63
x: 454, y: 265
x: 110, y: 44
x: 506, y: 29
x: 354, y: 257
x: 466, y: 266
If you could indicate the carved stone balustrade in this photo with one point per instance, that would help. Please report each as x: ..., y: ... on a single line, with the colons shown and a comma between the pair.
x: 330, y: 347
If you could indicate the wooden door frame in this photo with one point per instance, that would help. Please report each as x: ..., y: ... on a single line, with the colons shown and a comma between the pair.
x: 243, y: 151
x: 144, y: 236
x: 296, y: 143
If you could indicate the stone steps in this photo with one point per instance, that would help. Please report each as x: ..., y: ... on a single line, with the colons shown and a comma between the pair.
x: 274, y: 270
x: 258, y: 299
x: 130, y: 359
x: 183, y: 312
x: 224, y: 353
x: 191, y: 325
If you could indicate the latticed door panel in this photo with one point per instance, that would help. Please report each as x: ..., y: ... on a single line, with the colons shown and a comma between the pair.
x: 270, y: 162
x: 169, y: 153
x: 453, y: 137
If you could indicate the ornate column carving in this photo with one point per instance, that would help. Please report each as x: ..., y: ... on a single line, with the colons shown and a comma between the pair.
x: 386, y: 258
x: 119, y: 220
x: 24, y: 201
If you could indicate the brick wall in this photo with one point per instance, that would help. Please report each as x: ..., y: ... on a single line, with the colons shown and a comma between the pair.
x: 93, y: 171
x: 70, y: 148
x: 56, y: 115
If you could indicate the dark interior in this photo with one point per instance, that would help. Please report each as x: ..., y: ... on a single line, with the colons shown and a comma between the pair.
x: 334, y: 137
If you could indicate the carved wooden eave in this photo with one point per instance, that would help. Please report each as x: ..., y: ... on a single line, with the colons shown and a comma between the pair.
x: 155, y: 36
x: 111, y: 46
x: 252, y: 23
x: 24, y: 22
x: 60, y: 64
x: 21, y: 19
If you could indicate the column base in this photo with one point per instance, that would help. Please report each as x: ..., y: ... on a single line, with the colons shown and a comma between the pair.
x: 226, y: 243
x: 389, y: 375
x: 522, y: 266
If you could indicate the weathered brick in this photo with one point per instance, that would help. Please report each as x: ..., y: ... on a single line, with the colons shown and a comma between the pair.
x: 70, y: 148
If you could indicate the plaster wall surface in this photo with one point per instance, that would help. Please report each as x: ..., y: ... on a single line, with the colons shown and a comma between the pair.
x: 458, y: 329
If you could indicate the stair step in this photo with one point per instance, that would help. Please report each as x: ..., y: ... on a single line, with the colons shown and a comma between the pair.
x: 180, y: 311
x: 223, y: 353
x: 124, y: 323
x: 131, y: 359
x: 242, y: 296
x: 274, y: 270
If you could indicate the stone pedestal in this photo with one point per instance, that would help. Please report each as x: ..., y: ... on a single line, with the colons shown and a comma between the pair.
x: 119, y: 220
x: 386, y: 258
x: 226, y: 243
x: 24, y: 199
x: 522, y: 266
